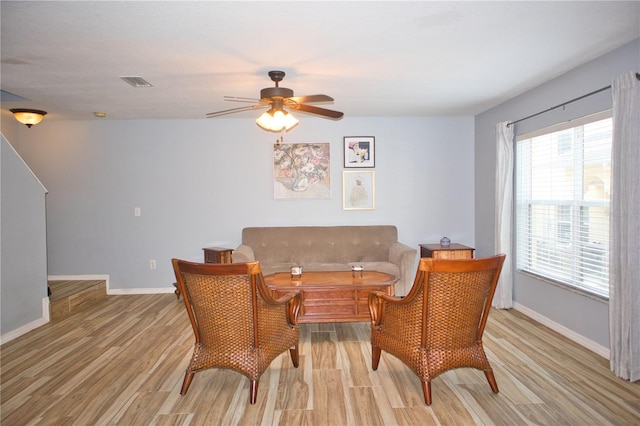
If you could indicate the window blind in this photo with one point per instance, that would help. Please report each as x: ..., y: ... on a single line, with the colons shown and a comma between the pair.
x: 562, y: 186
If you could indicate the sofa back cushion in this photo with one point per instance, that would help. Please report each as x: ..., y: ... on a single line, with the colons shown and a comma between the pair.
x: 313, y: 244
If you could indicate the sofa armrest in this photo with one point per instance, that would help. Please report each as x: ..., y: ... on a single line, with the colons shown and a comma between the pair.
x: 243, y: 254
x: 405, y: 258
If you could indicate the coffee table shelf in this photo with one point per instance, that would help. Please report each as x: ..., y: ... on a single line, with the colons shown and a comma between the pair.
x: 332, y: 296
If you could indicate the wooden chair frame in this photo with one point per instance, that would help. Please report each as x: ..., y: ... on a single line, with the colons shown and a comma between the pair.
x: 236, y: 322
x: 439, y: 325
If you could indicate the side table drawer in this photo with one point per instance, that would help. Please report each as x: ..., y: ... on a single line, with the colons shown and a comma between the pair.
x: 327, y: 296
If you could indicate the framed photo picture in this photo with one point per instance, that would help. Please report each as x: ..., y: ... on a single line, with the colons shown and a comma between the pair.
x: 359, y: 151
x: 301, y: 171
x: 358, y: 190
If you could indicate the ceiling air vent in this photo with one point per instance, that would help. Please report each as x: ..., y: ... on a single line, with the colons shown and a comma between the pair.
x: 137, y: 81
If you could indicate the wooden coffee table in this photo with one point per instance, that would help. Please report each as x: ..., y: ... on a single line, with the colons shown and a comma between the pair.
x: 332, y: 296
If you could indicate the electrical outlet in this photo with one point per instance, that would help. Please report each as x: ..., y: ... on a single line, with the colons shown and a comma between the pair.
x: 152, y: 264
x: 136, y: 211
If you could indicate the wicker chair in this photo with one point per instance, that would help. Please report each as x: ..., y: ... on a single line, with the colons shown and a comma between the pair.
x: 237, y: 323
x: 438, y: 326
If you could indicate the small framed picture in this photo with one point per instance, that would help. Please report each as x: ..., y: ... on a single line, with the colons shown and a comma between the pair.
x: 359, y: 151
x: 358, y: 190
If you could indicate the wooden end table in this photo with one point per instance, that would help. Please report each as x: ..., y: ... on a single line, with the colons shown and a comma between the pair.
x: 453, y: 251
x: 217, y: 255
x: 212, y: 255
x: 332, y: 296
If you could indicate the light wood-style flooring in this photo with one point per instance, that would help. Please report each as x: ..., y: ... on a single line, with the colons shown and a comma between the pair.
x: 69, y: 296
x: 122, y: 362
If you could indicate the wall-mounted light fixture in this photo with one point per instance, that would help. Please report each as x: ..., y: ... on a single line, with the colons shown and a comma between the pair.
x: 28, y: 117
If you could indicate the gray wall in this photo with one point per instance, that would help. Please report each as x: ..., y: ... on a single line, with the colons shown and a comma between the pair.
x: 23, y: 273
x: 199, y: 182
x: 581, y: 314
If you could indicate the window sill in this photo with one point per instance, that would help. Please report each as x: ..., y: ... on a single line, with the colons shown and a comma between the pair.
x: 580, y: 291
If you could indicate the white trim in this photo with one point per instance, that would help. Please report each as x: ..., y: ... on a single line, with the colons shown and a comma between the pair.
x: 112, y: 291
x: 80, y: 278
x: 30, y: 326
x: 122, y: 291
x: 46, y: 309
x: 569, y: 334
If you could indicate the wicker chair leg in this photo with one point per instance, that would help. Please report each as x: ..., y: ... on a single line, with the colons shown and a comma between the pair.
x: 188, y: 377
x: 254, y: 392
x: 294, y: 355
x: 492, y: 381
x: 426, y: 390
x: 375, y: 352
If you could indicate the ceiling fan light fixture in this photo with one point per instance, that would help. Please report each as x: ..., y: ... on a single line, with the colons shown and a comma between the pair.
x: 28, y: 117
x: 277, y: 120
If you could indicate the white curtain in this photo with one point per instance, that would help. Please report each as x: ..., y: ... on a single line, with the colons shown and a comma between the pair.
x: 504, y: 213
x: 624, y: 261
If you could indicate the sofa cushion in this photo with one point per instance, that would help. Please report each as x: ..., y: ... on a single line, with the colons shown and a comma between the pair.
x: 316, y: 266
x: 320, y: 244
x: 329, y: 248
x: 272, y: 268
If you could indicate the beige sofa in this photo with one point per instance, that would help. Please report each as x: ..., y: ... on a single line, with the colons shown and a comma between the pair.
x: 329, y: 248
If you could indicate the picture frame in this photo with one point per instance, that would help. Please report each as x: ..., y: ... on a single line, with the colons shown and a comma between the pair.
x: 358, y: 190
x: 359, y: 152
x: 302, y: 171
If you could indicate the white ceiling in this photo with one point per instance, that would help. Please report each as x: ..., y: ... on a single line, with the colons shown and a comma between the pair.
x: 415, y: 58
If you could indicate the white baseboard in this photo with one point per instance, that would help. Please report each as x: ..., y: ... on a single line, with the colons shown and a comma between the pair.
x: 569, y: 334
x: 112, y: 291
x: 46, y: 315
x: 122, y: 291
x: 14, y: 334
x: 79, y: 278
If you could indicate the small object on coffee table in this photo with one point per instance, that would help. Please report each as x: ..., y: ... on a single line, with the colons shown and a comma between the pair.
x: 296, y: 271
x: 355, y: 269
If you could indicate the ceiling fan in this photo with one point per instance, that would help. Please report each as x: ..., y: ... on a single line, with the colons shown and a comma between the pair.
x: 277, y: 119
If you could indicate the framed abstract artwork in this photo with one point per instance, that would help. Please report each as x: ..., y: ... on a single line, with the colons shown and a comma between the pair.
x: 301, y: 171
x: 359, y: 151
x: 358, y: 190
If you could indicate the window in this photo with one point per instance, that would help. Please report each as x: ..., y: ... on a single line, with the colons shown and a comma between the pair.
x: 562, y: 203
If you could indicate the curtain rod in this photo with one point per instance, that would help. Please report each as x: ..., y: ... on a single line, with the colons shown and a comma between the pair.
x: 565, y: 103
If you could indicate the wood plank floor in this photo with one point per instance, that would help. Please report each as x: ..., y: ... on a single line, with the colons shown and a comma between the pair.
x: 122, y: 362
x: 68, y: 296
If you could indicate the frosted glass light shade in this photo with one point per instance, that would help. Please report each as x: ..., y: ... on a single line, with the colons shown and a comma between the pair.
x: 277, y: 121
x: 28, y: 117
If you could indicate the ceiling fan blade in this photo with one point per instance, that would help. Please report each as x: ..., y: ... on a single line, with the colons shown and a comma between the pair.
x: 240, y: 99
x: 318, y: 111
x: 310, y: 99
x: 233, y: 110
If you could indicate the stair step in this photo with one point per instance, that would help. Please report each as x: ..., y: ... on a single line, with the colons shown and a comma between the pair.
x: 69, y: 296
